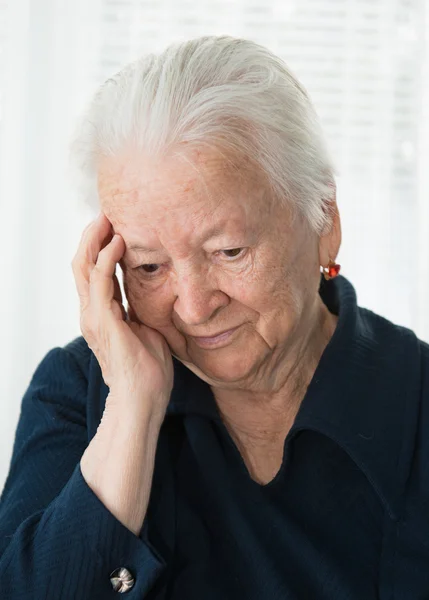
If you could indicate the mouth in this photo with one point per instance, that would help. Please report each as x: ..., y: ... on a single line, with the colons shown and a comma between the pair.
x: 217, y: 340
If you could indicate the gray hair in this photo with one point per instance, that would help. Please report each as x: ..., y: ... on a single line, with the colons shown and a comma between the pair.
x: 228, y: 93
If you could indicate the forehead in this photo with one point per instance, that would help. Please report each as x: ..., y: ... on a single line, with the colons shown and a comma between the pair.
x: 199, y: 185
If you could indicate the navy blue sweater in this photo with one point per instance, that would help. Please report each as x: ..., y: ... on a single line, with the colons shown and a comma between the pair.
x: 346, y: 517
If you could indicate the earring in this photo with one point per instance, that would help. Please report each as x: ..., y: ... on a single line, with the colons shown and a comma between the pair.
x: 331, y: 270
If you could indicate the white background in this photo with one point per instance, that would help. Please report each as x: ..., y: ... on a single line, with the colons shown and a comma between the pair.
x: 365, y: 63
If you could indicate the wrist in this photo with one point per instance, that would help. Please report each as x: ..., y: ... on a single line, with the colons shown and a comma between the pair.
x: 137, y: 408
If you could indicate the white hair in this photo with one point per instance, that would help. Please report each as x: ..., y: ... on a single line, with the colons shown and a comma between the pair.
x: 227, y: 93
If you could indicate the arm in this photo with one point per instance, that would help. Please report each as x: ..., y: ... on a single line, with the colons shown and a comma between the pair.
x: 118, y: 464
x: 57, y: 538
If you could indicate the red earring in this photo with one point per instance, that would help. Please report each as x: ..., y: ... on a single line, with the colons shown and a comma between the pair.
x: 331, y: 270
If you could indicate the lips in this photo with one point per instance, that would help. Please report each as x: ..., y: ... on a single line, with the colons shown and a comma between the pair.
x: 210, y: 337
x: 220, y: 339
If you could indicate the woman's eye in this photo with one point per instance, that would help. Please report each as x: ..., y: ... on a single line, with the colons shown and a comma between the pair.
x: 233, y: 252
x: 149, y: 268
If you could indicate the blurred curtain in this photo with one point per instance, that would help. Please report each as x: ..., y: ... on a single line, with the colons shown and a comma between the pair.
x: 365, y: 64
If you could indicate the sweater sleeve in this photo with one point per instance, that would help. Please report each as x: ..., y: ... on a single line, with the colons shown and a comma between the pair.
x: 57, y: 539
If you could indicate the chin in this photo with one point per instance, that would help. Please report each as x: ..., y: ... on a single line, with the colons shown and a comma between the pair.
x: 222, y: 366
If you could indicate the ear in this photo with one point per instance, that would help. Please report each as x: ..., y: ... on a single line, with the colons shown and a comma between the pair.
x: 330, y: 240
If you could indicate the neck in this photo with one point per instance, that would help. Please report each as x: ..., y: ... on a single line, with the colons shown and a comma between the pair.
x: 266, y: 415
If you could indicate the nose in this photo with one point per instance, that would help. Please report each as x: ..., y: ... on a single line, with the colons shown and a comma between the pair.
x: 197, y: 300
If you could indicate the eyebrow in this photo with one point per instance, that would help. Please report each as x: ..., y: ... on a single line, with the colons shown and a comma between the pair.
x: 212, y: 232
x: 141, y: 248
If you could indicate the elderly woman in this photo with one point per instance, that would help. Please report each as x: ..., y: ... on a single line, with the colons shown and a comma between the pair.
x: 244, y: 430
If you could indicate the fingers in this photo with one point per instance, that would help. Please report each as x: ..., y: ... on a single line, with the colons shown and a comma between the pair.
x: 94, y: 267
x: 102, y: 287
x: 93, y: 237
x: 117, y: 295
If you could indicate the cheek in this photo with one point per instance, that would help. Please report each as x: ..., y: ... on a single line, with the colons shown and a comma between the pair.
x: 153, y: 306
x: 261, y: 287
x: 270, y: 292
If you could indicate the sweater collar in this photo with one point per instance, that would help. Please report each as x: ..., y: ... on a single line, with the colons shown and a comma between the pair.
x: 363, y: 395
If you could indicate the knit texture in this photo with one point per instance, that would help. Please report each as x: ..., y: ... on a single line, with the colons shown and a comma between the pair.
x: 346, y: 516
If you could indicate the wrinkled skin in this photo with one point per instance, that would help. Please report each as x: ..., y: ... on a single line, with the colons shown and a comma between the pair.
x: 198, y: 287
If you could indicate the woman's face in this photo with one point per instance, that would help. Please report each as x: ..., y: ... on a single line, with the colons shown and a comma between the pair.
x: 206, y: 252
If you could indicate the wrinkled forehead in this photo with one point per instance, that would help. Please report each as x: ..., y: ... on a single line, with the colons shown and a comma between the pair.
x: 201, y: 184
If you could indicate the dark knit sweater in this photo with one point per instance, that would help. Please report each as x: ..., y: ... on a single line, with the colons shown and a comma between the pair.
x: 345, y: 518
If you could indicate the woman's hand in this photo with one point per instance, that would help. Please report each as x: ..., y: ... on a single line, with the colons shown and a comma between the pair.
x: 135, y: 360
